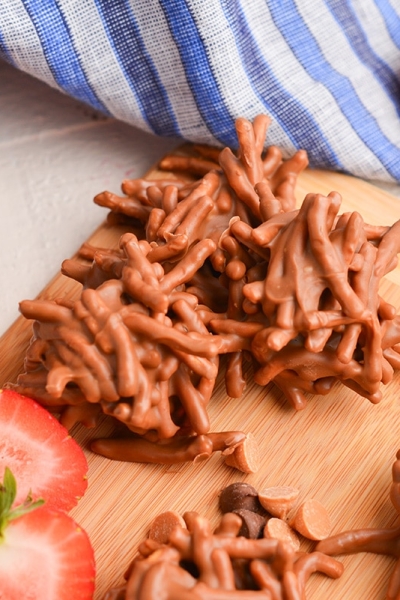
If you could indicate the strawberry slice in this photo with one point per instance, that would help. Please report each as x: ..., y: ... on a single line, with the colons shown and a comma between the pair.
x: 40, y: 452
x: 43, y: 553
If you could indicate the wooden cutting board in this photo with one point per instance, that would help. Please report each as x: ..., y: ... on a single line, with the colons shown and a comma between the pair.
x: 340, y: 449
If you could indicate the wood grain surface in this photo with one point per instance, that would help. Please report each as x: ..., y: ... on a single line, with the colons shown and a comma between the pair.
x: 340, y: 449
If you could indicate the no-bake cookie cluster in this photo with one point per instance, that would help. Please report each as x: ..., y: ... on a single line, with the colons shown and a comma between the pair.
x: 254, y: 551
x: 248, y: 555
x: 217, y: 260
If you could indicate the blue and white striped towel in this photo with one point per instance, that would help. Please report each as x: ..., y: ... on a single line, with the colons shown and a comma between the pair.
x: 326, y: 71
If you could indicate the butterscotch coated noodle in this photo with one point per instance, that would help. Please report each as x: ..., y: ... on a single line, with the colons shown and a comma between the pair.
x: 217, y: 261
x: 172, y: 450
x: 377, y: 541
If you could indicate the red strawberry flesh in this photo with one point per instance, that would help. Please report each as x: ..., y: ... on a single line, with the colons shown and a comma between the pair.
x: 40, y: 452
x: 45, y: 555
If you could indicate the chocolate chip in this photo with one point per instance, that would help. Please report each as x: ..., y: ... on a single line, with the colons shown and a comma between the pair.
x: 252, y: 524
x: 240, y: 496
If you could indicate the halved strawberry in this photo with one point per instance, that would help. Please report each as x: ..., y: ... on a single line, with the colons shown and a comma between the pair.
x: 40, y: 452
x: 44, y: 554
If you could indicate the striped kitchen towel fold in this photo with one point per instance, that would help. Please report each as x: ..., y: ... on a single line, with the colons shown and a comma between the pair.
x: 327, y: 72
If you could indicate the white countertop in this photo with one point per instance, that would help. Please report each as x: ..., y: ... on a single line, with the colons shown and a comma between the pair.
x: 56, y: 154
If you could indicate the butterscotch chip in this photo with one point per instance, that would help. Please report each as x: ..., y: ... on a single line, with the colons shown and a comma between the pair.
x: 279, y: 530
x: 246, y: 456
x: 312, y: 520
x: 278, y: 500
x: 163, y: 525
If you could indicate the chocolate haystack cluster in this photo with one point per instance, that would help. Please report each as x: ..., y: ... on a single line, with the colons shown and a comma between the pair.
x: 217, y: 261
x: 184, y: 558
x: 247, y: 555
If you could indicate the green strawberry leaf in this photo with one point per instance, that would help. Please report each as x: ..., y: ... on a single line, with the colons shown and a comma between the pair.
x: 8, y: 492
